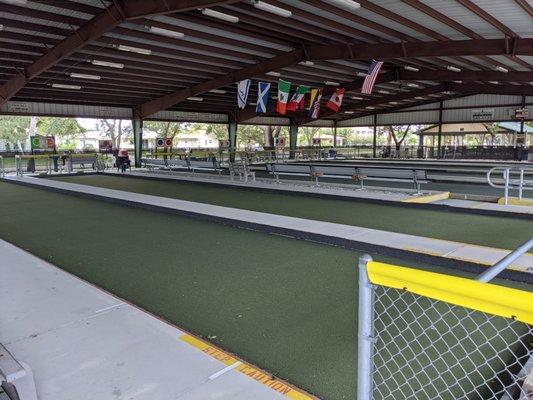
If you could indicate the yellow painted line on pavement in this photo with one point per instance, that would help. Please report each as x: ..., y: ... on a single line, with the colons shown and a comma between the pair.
x: 430, y: 198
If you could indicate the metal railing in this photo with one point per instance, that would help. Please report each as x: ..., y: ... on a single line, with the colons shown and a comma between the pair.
x: 424, y: 335
x: 520, y: 183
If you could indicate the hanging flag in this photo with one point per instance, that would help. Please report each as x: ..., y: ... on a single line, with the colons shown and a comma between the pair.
x: 315, y: 108
x: 262, y: 97
x: 335, y: 101
x: 372, y: 75
x: 283, y: 96
x: 297, y: 97
x: 242, y: 92
x: 313, y: 94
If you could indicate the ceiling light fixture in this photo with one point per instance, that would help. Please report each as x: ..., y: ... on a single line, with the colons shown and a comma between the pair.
x: 330, y: 83
x: 272, y: 9
x: 217, y: 91
x: 62, y: 86
x: 349, y: 4
x: 195, y: 98
x: 219, y: 15
x: 84, y: 76
x: 393, y: 102
x: 415, y: 85
x: 501, y: 69
x: 273, y: 73
x: 165, y: 32
x: 453, y: 68
x: 370, y: 108
x: 132, y: 49
x: 107, y: 64
x: 307, y: 63
x: 383, y: 91
x: 357, y: 98
x: 409, y: 68
x: 494, y: 82
x: 349, y: 112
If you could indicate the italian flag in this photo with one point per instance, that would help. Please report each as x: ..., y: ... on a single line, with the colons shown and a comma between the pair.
x: 283, y: 96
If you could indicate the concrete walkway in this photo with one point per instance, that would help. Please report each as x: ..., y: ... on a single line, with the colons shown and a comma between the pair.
x: 85, y: 344
x: 326, y: 232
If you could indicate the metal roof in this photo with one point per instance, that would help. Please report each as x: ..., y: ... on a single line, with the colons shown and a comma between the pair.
x: 43, y: 41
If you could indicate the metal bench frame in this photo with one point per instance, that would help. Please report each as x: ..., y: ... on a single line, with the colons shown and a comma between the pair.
x: 16, y: 378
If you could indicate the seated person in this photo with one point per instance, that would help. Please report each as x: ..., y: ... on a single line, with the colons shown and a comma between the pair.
x: 123, y: 160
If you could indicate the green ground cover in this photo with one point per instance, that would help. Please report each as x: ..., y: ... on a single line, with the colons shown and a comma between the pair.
x: 286, y: 305
x: 499, y: 232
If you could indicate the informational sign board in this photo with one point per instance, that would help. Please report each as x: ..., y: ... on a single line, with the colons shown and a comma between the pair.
x: 483, y: 114
x: 42, y: 142
x: 18, y: 107
x: 521, y: 113
x: 163, y: 142
x: 317, y: 141
x: 223, y: 144
x: 280, y: 142
x: 105, y: 146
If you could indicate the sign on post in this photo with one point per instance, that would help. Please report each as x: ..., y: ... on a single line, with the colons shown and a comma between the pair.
x: 223, y: 144
x: 280, y: 142
x: 163, y: 142
x: 42, y: 142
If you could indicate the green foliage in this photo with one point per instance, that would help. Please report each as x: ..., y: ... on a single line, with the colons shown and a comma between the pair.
x: 164, y: 128
x: 67, y: 128
x: 14, y: 130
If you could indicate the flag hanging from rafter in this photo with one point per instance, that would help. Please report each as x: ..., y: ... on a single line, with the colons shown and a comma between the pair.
x: 312, y: 98
x: 262, y: 97
x: 297, y: 98
x: 243, y: 88
x: 335, y: 100
x: 283, y: 96
x: 315, y: 108
x: 372, y: 75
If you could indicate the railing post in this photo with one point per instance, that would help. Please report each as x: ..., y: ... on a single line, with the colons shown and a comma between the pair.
x: 493, y: 271
x: 506, y: 190
x: 365, y: 332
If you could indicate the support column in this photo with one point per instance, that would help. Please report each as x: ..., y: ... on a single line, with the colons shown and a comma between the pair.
x: 375, y: 136
x: 232, y: 137
x: 137, y: 123
x: 293, y: 138
x: 334, y: 134
x: 439, y: 134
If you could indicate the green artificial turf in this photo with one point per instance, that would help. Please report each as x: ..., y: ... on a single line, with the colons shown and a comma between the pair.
x: 286, y: 305
x: 499, y: 232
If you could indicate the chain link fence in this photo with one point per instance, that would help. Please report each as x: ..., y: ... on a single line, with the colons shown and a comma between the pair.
x: 415, y: 347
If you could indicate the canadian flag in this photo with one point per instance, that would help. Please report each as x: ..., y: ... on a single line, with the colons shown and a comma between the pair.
x: 335, y: 101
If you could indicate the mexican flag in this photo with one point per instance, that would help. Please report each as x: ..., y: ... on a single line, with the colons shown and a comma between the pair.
x: 297, y: 98
x: 283, y: 96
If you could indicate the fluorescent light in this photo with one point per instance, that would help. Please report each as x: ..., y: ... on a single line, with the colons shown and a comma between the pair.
x: 217, y: 91
x: 383, y: 91
x: 134, y: 49
x: 62, y: 86
x: 357, y: 98
x: 218, y: 15
x: 393, y: 102
x: 494, y: 82
x: 273, y: 73
x: 330, y: 83
x: 307, y: 63
x: 420, y: 98
x: 349, y: 4
x: 416, y: 85
x: 1, y: 27
x: 361, y: 74
x: 370, y: 108
x: 107, y: 64
x: 409, y: 68
x: 452, y: 68
x: 253, y: 104
x: 457, y: 81
x: 349, y: 112
x: 501, y: 69
x: 85, y: 76
x: 165, y: 32
x: 272, y: 9
x: 195, y: 98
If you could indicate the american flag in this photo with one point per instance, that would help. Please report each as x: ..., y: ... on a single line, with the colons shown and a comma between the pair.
x: 371, y: 77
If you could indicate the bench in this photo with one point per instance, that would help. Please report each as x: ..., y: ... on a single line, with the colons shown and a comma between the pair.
x: 152, y: 163
x: 212, y: 165
x: 290, y: 169
x: 416, y: 176
x: 81, y: 160
x: 242, y: 170
x: 16, y: 378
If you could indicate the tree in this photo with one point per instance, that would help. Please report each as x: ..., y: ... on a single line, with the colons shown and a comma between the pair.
x: 307, y: 133
x: 115, y: 129
x: 269, y: 133
x: 14, y: 130
x: 67, y: 128
x: 164, y: 128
